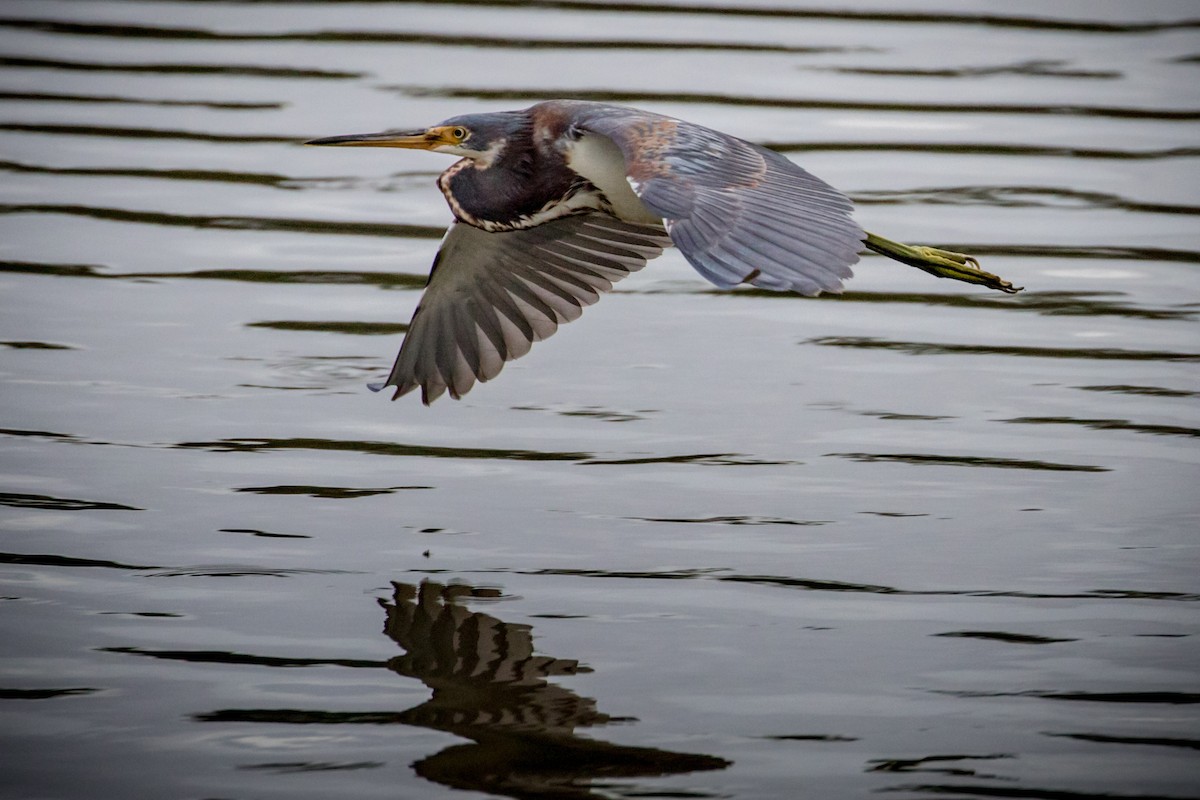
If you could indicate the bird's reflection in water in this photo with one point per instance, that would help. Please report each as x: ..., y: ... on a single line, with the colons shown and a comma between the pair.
x: 489, y: 687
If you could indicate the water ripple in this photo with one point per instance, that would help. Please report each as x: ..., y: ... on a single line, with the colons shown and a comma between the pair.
x: 66, y: 437
x: 1024, y: 792
x: 212, y: 176
x: 44, y: 694
x: 246, y: 571
x: 1042, y: 68
x: 273, y: 180
x: 59, y: 503
x: 737, y: 519
x: 926, y: 459
x: 1050, y: 303
x: 1153, y: 741
x: 1109, y: 425
x: 300, y: 767
x: 131, y: 31
x: 226, y: 657
x: 51, y: 560
x: 250, y: 445
x: 175, y: 69
x: 593, y: 412
x: 1154, y: 698
x: 143, y: 133
x: 229, y: 222
x: 1019, y: 197
x: 297, y: 716
x: 213, y: 571
x: 706, y: 459
x: 824, y: 585
x: 1004, y: 636
x: 31, y: 345
x: 713, y: 98
x: 937, y: 348
x: 353, y: 328
x: 1036, y: 23
x: 265, y: 534
x: 922, y: 764
x: 1148, y: 391
x: 52, y: 97
x: 384, y: 280
x: 985, y: 149
x: 327, y: 492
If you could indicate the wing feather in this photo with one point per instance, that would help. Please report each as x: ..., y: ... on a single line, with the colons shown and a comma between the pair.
x: 491, y: 295
x: 515, y: 326
x: 737, y: 211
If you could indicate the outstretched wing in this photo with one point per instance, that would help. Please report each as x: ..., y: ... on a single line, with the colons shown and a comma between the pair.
x: 491, y: 295
x: 738, y: 212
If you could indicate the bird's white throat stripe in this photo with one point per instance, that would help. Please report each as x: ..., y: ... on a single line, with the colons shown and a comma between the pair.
x: 443, y: 183
x: 599, y: 160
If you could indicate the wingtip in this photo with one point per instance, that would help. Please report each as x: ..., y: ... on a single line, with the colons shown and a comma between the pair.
x: 400, y: 390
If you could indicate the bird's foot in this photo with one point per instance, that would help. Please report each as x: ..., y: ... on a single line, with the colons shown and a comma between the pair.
x: 942, y: 263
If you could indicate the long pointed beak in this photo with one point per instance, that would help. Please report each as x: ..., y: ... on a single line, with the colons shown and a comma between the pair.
x: 412, y: 140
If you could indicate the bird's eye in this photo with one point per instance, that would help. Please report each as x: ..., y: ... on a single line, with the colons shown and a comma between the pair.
x: 459, y: 133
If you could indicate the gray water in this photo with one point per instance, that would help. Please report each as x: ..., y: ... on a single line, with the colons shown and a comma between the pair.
x: 920, y: 541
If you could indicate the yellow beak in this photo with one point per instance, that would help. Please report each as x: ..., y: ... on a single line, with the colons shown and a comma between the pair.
x: 411, y: 140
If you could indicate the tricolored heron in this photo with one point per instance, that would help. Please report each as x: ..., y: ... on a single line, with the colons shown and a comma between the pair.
x: 555, y: 203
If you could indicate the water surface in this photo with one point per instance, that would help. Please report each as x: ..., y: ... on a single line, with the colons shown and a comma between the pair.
x: 920, y: 540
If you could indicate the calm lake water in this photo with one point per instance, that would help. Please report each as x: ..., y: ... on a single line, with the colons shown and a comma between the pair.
x: 920, y: 541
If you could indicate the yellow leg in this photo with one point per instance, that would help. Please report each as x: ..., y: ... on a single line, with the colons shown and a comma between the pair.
x: 942, y: 263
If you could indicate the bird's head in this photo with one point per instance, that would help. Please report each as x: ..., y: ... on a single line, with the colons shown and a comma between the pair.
x: 477, y: 136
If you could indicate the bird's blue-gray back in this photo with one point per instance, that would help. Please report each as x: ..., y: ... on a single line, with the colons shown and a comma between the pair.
x: 738, y: 212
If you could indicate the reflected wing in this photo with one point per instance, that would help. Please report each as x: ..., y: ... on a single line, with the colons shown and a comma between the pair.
x: 491, y: 295
x: 737, y: 211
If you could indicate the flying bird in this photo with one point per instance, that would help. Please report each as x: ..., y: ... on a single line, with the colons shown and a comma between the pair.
x: 555, y: 203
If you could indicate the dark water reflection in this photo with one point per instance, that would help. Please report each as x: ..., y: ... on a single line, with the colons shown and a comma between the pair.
x: 488, y: 687
x: 916, y: 541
